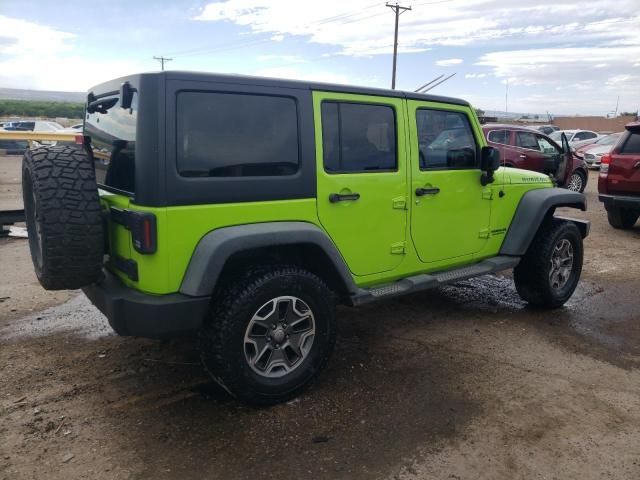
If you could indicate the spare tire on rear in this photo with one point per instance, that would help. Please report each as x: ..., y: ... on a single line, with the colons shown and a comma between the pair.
x: 63, y: 216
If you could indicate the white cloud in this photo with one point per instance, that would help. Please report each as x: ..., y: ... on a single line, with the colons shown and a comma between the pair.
x: 30, y: 38
x: 449, y: 62
x: 367, y: 28
x: 280, y: 58
x: 295, y: 73
x: 40, y: 57
x: 475, y: 75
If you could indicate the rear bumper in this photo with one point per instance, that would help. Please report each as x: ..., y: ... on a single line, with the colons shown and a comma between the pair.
x: 620, y: 201
x: 132, y: 313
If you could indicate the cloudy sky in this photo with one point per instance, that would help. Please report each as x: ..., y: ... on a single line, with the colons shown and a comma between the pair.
x: 560, y: 56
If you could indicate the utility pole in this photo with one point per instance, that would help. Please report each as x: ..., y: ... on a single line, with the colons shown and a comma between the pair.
x: 506, y: 96
x: 397, y: 9
x: 162, y: 60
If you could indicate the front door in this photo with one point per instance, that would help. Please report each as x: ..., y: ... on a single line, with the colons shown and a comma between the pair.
x: 450, y: 209
x: 362, y: 178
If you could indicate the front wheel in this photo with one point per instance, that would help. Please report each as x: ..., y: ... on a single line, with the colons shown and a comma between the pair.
x: 549, y: 272
x: 577, y: 182
x: 269, y: 335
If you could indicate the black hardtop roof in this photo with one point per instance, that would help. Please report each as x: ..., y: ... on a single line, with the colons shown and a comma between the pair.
x: 298, y: 84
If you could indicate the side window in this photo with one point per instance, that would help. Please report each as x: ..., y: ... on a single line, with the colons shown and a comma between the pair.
x: 545, y: 146
x: 632, y: 144
x: 527, y: 140
x: 236, y: 135
x: 499, y: 136
x: 358, y: 137
x: 445, y: 140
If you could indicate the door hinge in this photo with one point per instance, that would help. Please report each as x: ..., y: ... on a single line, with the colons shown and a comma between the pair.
x: 400, y: 203
x: 484, y: 233
x: 487, y: 194
x: 397, y: 248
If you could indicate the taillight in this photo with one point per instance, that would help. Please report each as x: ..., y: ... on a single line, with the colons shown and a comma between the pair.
x: 142, y: 226
x: 143, y: 231
x: 605, y: 161
x: 79, y: 139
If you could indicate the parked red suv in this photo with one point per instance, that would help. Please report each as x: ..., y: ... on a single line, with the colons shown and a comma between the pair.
x: 619, y: 180
x: 525, y: 148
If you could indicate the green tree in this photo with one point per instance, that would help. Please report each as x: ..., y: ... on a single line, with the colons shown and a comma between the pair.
x: 29, y: 108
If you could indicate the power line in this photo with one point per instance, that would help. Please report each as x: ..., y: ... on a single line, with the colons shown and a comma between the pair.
x: 322, y: 21
x: 397, y: 10
x: 162, y: 59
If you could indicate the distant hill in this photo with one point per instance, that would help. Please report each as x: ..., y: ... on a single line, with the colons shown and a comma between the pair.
x: 41, y: 95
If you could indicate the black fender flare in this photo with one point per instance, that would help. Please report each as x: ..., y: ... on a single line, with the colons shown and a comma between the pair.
x: 217, y: 246
x: 534, y: 206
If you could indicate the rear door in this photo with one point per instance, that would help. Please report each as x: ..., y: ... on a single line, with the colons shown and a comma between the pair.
x: 501, y: 138
x: 529, y: 153
x: 624, y: 170
x: 113, y: 150
x: 362, y: 178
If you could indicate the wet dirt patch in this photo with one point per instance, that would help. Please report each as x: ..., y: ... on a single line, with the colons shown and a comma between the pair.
x: 76, y: 316
x: 124, y: 406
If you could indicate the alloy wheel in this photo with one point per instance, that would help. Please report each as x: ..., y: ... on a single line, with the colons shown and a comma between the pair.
x: 561, y: 264
x: 279, y: 336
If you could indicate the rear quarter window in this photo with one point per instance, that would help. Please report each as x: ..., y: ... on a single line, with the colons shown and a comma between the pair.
x: 236, y: 135
x: 632, y: 144
x: 499, y: 136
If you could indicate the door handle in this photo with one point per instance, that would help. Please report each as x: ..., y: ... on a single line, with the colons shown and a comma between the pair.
x: 637, y: 165
x: 427, y: 191
x: 522, y: 155
x: 342, y: 197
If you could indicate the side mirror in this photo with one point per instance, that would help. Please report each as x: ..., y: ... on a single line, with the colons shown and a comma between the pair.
x: 489, y: 163
x: 565, y: 144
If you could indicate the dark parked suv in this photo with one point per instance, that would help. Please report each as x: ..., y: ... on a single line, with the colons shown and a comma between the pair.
x: 525, y: 148
x: 619, y: 181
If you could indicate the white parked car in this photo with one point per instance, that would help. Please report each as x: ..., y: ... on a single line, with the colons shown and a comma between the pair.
x: 37, y: 126
x: 577, y: 138
x: 593, y: 154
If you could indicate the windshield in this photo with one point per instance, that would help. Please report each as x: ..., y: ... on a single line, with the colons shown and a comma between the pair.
x: 449, y: 139
x: 609, y: 139
x: 557, y: 136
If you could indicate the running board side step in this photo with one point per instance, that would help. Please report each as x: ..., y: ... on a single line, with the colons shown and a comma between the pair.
x: 426, y: 281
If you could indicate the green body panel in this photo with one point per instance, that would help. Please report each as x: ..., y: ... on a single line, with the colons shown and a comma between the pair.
x: 387, y: 234
x: 369, y: 230
x: 454, y: 222
x: 181, y: 228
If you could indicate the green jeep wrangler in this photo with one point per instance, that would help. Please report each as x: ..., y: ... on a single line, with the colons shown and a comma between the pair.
x: 244, y: 209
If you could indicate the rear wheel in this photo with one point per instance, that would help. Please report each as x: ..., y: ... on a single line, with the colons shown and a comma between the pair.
x: 622, y: 218
x: 64, y: 222
x: 269, y: 335
x: 549, y: 272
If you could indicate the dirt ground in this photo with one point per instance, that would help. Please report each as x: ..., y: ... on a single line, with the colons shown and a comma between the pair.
x: 464, y: 382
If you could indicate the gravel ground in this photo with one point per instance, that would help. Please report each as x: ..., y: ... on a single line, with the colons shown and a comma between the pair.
x: 464, y: 382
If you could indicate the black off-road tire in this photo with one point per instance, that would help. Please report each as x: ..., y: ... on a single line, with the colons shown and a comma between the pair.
x: 531, y: 275
x: 64, y: 222
x: 622, y: 218
x: 222, y: 339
